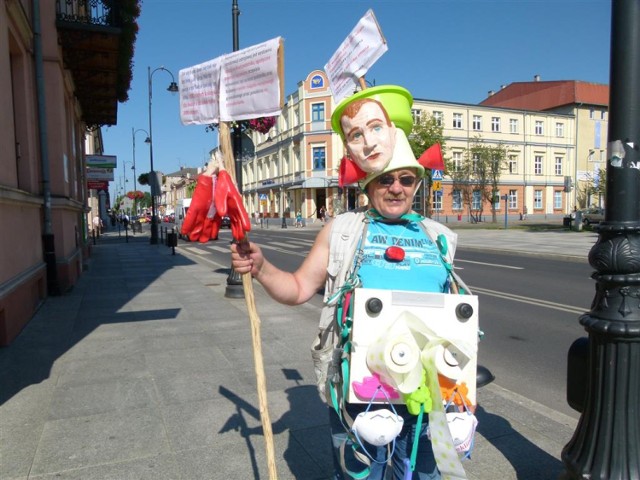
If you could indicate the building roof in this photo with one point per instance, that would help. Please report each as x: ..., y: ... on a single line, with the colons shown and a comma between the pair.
x: 541, y: 96
x: 184, y: 172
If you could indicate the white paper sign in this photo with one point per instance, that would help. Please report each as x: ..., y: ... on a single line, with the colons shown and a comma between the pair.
x: 199, y: 93
x: 249, y: 83
x: 238, y: 86
x: 357, y: 53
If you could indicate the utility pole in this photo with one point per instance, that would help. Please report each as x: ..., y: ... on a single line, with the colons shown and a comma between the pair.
x: 606, y: 443
x: 234, y: 280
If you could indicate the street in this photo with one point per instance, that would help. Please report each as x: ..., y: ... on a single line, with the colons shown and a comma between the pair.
x: 529, y: 306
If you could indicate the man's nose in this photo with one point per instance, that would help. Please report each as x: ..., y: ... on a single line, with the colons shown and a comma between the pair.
x: 395, y: 186
x: 370, y: 141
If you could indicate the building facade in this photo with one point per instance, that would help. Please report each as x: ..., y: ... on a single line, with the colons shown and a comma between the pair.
x: 294, y: 167
x: 55, y: 92
x: 540, y: 154
x: 588, y: 103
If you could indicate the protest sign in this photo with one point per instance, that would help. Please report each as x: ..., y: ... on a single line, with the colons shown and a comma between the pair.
x: 357, y: 53
x: 242, y: 85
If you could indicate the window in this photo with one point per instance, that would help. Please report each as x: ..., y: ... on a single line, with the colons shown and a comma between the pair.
x: 538, y: 128
x: 495, y: 124
x: 457, y: 200
x: 439, y: 117
x: 437, y: 200
x: 317, y: 112
x: 559, y: 129
x: 457, y: 161
x: 513, y: 125
x: 592, y: 113
x: 558, y: 166
x: 537, y: 165
x: 557, y: 199
x: 319, y: 158
x: 537, y: 199
x: 475, y: 160
x: 476, y: 200
x: 417, y: 116
x: 513, y: 199
x: 513, y: 164
x: 477, y: 122
x: 457, y: 120
x: 496, y: 199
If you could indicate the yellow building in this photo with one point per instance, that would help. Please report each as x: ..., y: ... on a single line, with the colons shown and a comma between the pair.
x: 294, y: 166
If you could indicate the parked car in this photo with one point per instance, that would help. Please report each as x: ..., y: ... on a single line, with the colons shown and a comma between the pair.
x: 226, y: 222
x: 591, y: 215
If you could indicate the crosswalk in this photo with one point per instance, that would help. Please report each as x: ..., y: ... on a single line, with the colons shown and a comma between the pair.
x: 292, y: 247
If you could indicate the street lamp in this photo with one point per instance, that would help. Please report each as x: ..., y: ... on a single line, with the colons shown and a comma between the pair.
x: 605, y: 442
x: 234, y: 280
x: 173, y: 87
x: 146, y: 140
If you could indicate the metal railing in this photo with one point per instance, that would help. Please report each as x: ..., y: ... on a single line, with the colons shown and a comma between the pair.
x: 91, y: 12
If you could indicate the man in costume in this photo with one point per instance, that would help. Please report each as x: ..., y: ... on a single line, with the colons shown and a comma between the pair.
x: 381, y: 246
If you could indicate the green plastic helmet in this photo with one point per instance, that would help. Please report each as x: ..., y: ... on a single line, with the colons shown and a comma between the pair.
x: 396, y: 100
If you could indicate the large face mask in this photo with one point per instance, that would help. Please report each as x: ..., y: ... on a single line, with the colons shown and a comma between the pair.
x: 377, y: 427
x: 462, y: 427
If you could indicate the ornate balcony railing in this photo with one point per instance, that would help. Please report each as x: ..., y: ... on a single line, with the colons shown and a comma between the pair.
x: 90, y: 12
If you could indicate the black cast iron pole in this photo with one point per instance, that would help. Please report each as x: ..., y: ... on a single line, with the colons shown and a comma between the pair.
x: 234, y: 280
x: 606, y: 443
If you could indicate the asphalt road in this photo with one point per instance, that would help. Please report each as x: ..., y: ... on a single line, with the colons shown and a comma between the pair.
x: 529, y: 307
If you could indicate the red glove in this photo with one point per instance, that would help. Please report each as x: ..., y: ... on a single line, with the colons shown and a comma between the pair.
x: 198, y: 226
x: 228, y: 202
x: 210, y: 229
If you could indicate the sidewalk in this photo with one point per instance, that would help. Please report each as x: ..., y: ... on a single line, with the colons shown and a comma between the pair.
x: 144, y: 371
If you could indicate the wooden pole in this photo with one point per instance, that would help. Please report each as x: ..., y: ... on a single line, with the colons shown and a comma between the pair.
x: 227, y: 155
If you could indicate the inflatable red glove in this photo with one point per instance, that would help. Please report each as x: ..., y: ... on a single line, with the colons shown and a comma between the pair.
x: 200, y: 223
x: 228, y: 202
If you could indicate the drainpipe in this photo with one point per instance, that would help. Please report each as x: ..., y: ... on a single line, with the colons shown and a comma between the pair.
x: 48, y: 243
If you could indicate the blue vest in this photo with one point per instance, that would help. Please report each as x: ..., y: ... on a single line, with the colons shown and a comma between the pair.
x: 420, y: 271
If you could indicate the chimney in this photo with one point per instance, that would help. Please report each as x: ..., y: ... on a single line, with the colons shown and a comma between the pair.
x: 536, y: 78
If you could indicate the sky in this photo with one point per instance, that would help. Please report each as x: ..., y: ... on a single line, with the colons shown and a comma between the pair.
x: 444, y: 50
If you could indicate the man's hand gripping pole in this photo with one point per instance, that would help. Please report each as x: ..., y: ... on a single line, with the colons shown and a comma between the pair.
x: 229, y: 202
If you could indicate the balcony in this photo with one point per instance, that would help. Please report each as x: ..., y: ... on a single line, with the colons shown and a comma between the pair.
x: 97, y: 38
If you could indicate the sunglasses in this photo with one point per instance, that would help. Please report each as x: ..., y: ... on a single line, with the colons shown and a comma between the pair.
x: 405, y: 180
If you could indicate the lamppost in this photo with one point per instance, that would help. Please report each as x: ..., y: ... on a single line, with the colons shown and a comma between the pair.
x: 605, y: 443
x: 124, y: 176
x: 173, y: 87
x: 234, y: 280
x: 146, y: 140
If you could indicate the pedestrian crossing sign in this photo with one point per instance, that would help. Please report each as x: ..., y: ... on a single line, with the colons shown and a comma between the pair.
x: 436, y: 175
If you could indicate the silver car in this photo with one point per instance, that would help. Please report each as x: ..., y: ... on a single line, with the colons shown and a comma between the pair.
x: 591, y: 215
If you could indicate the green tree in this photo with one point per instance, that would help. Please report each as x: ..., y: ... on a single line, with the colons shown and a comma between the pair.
x: 478, y: 178
x: 594, y: 189
x: 143, y: 179
x: 190, y: 189
x: 426, y: 132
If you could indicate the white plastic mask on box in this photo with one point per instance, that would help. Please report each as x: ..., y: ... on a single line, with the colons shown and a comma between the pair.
x: 377, y: 427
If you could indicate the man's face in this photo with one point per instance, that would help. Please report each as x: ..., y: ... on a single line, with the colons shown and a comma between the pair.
x: 391, y: 194
x: 369, y: 139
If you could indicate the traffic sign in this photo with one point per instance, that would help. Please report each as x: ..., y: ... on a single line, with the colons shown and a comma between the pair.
x: 437, y: 185
x: 436, y: 174
x: 263, y: 196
